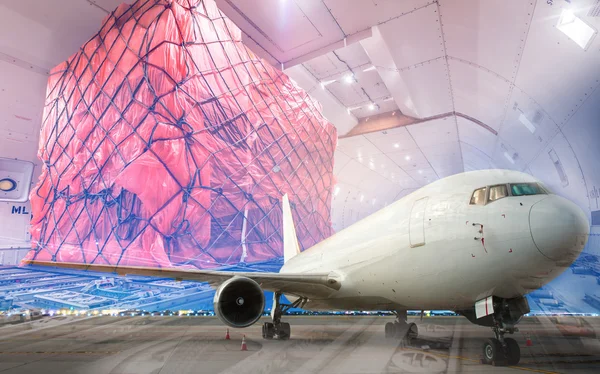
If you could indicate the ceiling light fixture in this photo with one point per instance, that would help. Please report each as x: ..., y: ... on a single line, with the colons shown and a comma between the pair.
x: 509, y: 158
x: 526, y: 123
x: 373, y: 106
x: 396, y: 145
x: 575, y: 28
x: 407, y: 158
x: 326, y: 83
x: 337, y: 191
x: 349, y: 79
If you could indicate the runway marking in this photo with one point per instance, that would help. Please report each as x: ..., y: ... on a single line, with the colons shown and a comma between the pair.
x: 478, y: 361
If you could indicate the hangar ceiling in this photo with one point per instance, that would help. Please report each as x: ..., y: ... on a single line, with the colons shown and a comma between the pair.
x: 505, y: 86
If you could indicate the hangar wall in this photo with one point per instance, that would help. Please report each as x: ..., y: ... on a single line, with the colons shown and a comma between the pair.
x: 476, y: 73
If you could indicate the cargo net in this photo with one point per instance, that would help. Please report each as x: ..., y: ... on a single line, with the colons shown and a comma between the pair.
x: 165, y: 141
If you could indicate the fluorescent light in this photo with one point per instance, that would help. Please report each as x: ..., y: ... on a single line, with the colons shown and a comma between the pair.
x: 407, y: 158
x: 337, y: 191
x: 349, y: 79
x: 509, y: 158
x: 396, y: 145
x: 371, y: 106
x: 527, y: 123
x: 576, y: 29
x: 369, y: 69
x: 325, y: 83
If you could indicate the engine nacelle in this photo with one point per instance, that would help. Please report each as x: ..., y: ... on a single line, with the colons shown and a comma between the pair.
x: 239, y: 302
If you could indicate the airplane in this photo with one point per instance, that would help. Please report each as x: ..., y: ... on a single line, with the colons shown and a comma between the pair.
x: 474, y: 243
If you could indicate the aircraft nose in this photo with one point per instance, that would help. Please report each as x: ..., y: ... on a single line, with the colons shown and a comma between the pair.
x: 559, y: 228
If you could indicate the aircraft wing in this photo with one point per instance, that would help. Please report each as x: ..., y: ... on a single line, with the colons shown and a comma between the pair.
x: 309, y: 285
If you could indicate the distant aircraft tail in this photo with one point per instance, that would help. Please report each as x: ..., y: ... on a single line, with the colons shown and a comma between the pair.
x: 290, y: 241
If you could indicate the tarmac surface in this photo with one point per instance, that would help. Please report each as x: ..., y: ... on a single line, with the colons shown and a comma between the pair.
x: 319, y: 344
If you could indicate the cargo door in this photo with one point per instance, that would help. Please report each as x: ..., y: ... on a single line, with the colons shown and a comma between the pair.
x: 417, y: 223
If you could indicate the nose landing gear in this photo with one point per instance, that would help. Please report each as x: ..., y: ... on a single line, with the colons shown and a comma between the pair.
x: 401, y: 329
x: 500, y: 351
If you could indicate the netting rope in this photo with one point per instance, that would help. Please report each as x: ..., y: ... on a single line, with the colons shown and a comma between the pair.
x: 165, y: 141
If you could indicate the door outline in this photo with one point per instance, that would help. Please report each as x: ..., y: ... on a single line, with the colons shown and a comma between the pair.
x: 416, y: 225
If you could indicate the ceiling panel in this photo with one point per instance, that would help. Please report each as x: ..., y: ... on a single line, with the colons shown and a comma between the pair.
x: 285, y: 29
x: 45, y: 33
x: 474, y: 159
x: 476, y: 136
x: 348, y: 94
x: 357, y: 15
x: 487, y: 33
x: 330, y: 66
x: 409, y: 158
x: 555, y: 70
x: 384, y: 107
x: 527, y: 127
x: 394, y: 140
x: 357, y: 147
x: 438, y: 131
x: 424, y: 175
x: 414, y: 37
x: 340, y: 161
x: 279, y: 22
x: 479, y: 93
x: 428, y: 88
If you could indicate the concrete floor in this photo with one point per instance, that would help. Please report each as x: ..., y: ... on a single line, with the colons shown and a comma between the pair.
x: 319, y: 344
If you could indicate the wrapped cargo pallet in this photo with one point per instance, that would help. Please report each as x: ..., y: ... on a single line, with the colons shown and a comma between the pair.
x: 166, y: 142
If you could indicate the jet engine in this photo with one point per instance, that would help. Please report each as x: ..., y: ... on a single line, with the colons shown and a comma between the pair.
x: 239, y: 302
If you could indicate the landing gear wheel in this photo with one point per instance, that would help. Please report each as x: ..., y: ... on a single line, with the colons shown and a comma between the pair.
x: 492, y: 352
x: 513, y: 352
x: 268, y: 330
x: 285, y: 331
x: 400, y: 330
x: 412, y: 332
x: 389, y: 330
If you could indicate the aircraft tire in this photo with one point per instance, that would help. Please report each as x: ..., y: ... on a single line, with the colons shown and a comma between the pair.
x: 389, y: 330
x: 285, y: 331
x: 492, y: 352
x: 268, y: 330
x: 513, y: 352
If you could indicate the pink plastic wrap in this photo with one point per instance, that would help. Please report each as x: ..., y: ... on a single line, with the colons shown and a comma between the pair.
x: 165, y: 141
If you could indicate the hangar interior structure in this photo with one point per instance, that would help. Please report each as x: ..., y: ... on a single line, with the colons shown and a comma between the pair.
x: 417, y: 90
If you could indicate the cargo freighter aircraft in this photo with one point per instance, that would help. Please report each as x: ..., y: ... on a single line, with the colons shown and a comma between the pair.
x: 475, y: 243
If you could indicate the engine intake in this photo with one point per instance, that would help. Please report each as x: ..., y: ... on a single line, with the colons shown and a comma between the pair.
x: 239, y: 302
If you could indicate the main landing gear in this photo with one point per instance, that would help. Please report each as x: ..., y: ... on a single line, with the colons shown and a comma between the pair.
x: 277, y: 329
x: 401, y: 329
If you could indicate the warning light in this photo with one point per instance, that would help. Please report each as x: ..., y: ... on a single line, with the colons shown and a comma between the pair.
x: 7, y: 185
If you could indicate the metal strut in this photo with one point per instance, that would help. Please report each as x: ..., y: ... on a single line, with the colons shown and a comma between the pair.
x: 280, y: 309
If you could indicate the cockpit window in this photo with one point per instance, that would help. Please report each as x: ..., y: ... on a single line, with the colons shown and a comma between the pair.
x: 498, y: 192
x: 478, y: 197
x: 522, y: 189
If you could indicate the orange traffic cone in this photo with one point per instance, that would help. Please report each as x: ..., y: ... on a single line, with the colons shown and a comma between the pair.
x: 244, y: 347
x: 528, y: 341
x: 227, y: 337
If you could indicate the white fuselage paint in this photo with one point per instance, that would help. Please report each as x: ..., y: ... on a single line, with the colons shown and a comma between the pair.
x: 447, y: 266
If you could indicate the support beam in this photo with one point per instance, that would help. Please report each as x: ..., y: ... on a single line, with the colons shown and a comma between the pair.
x: 395, y: 119
x: 350, y: 39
